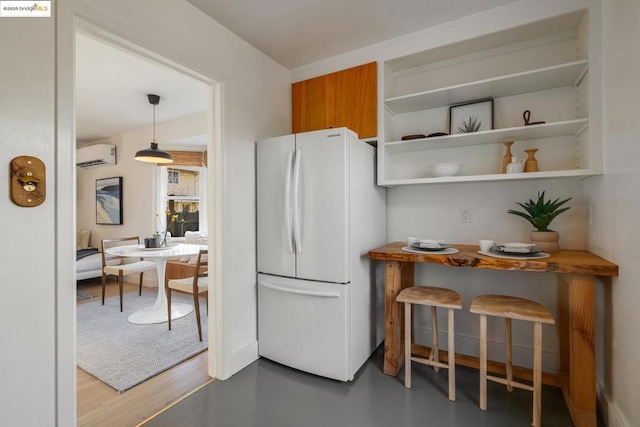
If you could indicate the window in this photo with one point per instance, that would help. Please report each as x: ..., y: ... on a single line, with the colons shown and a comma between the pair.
x: 181, y: 198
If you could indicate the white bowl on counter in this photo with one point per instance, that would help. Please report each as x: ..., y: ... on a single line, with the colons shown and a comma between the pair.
x: 445, y: 169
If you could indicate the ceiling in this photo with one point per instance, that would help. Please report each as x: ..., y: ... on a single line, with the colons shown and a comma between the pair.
x: 112, y: 84
x: 298, y: 32
x: 111, y: 92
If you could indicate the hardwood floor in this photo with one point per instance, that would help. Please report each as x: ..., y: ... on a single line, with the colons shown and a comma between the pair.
x: 100, y: 405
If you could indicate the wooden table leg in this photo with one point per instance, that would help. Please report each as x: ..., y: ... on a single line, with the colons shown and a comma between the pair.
x: 581, y: 391
x: 398, y: 275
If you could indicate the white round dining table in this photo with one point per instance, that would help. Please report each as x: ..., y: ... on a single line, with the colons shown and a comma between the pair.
x: 157, y: 313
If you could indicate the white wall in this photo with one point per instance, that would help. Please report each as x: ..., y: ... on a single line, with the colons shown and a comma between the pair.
x: 615, y: 229
x: 255, y: 105
x: 27, y: 308
x: 137, y: 189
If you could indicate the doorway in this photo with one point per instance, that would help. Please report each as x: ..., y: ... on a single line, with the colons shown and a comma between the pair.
x: 205, y: 363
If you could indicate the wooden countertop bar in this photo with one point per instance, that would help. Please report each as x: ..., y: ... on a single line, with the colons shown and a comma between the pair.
x: 565, y: 261
x: 575, y: 314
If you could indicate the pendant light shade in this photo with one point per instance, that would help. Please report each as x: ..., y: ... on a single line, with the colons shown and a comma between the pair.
x: 153, y: 154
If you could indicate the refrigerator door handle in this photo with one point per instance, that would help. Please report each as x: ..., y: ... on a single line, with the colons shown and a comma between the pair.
x: 322, y: 294
x: 296, y: 202
x: 287, y: 202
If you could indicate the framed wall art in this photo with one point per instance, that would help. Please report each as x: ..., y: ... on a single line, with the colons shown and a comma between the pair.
x: 109, y: 201
x: 475, y: 116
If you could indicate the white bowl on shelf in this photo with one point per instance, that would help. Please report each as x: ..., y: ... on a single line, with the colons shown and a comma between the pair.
x: 445, y: 169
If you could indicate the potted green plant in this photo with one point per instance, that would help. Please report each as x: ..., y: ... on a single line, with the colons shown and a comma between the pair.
x: 540, y: 214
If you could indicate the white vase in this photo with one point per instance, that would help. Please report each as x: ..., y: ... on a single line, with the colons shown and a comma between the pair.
x: 545, y: 240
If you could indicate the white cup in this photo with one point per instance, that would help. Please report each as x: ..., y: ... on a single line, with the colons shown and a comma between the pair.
x: 411, y: 240
x: 485, y: 245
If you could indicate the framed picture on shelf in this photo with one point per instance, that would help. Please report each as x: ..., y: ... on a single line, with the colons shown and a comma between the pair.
x: 109, y: 201
x: 474, y: 116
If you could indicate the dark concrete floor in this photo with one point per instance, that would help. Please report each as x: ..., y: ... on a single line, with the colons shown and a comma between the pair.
x: 267, y: 394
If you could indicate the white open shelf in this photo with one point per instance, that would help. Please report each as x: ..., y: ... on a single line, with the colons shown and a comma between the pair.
x: 546, y: 67
x: 546, y: 130
x: 571, y: 173
x: 513, y: 84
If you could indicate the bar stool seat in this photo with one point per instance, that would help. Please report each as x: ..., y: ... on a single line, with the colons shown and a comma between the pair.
x: 434, y: 297
x: 509, y: 308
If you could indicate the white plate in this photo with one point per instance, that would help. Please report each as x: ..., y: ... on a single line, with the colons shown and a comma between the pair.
x: 516, y: 247
x: 447, y: 251
x: 510, y: 251
x: 430, y: 241
x: 539, y: 255
x: 435, y: 247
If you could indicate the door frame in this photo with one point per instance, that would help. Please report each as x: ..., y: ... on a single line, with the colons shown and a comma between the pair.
x: 72, y: 16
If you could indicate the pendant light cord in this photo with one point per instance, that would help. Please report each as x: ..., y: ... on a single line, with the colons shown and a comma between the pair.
x: 154, y: 123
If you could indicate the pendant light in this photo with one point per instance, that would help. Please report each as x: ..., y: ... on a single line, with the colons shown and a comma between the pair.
x: 153, y: 154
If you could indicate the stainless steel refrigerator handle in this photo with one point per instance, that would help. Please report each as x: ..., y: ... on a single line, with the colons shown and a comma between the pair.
x: 287, y: 202
x: 323, y: 294
x: 296, y: 202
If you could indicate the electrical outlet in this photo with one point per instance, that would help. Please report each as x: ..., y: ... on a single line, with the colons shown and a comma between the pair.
x: 465, y: 214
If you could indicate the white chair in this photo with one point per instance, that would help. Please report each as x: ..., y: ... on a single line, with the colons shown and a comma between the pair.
x: 122, y: 270
x: 194, y: 285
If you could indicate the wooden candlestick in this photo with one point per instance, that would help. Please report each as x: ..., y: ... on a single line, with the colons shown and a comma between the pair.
x: 507, y: 156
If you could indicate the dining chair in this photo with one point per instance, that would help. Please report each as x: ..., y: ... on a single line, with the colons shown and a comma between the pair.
x: 121, y: 270
x: 194, y: 285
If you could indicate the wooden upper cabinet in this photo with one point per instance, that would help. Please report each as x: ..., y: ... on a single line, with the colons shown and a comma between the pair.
x: 346, y: 98
x: 353, y: 100
x: 309, y: 104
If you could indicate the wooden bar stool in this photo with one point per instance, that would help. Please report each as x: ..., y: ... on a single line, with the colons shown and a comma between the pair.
x: 434, y: 297
x: 512, y: 308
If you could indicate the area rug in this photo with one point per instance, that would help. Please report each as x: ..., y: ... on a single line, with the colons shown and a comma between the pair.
x: 122, y: 354
x: 82, y: 295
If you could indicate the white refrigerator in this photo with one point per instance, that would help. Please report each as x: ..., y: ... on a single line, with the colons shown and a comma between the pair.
x: 319, y: 212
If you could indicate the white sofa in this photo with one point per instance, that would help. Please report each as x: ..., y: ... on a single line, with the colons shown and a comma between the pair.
x: 89, y: 264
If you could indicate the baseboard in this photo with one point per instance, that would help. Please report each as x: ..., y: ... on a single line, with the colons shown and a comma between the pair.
x: 609, y: 410
x: 245, y: 356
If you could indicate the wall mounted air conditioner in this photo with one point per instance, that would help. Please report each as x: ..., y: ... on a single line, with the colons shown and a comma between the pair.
x: 96, y: 155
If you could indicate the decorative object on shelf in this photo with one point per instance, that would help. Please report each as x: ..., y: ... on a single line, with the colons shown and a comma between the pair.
x: 445, y: 169
x: 516, y: 166
x: 472, y: 116
x: 416, y: 136
x: 540, y: 214
x: 153, y: 154
x: 433, y: 135
x: 531, y: 165
x: 507, y: 155
x: 527, y: 115
x: 109, y: 201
